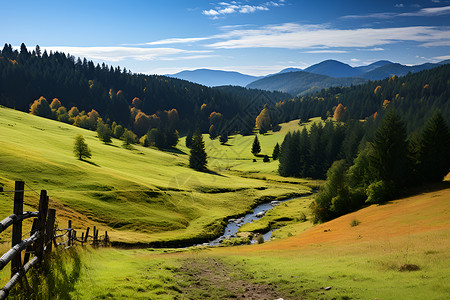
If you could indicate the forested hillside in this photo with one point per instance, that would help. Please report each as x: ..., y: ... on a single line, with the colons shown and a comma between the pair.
x: 415, y: 97
x: 116, y: 94
x: 301, y: 82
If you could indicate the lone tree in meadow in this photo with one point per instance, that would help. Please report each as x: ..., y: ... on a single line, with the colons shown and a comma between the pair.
x: 256, y: 148
x: 198, y: 157
x: 80, y: 148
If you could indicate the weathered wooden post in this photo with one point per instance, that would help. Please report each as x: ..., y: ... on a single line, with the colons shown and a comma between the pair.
x: 94, y: 236
x: 82, y: 238
x: 87, y: 234
x: 70, y: 233
x: 42, y: 220
x: 16, y: 262
x: 50, y: 230
x: 106, y: 238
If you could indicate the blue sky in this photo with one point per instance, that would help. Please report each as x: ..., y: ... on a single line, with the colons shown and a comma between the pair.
x: 252, y: 37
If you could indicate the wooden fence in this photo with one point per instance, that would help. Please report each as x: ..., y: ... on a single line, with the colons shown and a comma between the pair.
x: 43, y: 235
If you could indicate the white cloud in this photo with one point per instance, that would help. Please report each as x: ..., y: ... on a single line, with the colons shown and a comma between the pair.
x: 188, y: 57
x: 373, y: 49
x: 317, y: 38
x: 325, y: 51
x: 115, y: 54
x: 445, y: 57
x: 399, y: 5
x: 175, y: 41
x: 428, y: 12
x: 224, y: 8
x: 424, y: 12
x: 211, y: 12
x: 294, y: 36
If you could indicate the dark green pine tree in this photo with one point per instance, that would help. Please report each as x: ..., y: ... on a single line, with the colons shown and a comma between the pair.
x: 276, y: 152
x: 434, y: 150
x: 290, y: 155
x: 389, y: 157
x: 198, y: 157
x: 223, y: 138
x: 189, y: 139
x: 256, y: 147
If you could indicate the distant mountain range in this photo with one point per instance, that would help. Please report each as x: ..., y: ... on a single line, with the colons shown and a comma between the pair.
x: 213, y: 78
x: 331, y: 73
x: 298, y: 82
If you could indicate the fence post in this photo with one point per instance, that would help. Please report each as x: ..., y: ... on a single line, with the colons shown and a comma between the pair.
x: 94, y: 242
x: 50, y: 230
x: 69, y: 224
x: 87, y: 234
x: 43, y: 208
x: 16, y: 262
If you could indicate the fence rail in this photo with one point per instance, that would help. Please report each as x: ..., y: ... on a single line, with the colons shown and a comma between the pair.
x: 41, y: 241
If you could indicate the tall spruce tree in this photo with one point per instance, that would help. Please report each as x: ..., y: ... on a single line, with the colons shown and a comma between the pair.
x: 256, y: 147
x: 389, y: 157
x: 434, y: 150
x: 198, y: 156
x: 276, y: 152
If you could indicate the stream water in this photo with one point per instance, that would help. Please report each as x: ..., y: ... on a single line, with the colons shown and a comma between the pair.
x: 234, y: 224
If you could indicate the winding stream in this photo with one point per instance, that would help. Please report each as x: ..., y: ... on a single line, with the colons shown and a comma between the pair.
x: 234, y: 224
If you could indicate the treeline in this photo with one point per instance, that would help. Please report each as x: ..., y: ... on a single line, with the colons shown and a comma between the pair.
x: 386, y: 167
x: 26, y: 75
x: 415, y: 97
x: 311, y: 153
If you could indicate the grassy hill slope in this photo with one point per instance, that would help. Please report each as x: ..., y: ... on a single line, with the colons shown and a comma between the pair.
x: 141, y: 195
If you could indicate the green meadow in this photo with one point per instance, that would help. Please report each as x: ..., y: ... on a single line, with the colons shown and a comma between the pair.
x: 141, y: 195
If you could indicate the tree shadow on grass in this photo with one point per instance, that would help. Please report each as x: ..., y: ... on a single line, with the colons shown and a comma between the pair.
x: 173, y: 150
x: 90, y: 162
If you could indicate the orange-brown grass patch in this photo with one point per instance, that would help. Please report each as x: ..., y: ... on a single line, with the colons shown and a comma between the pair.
x: 425, y: 212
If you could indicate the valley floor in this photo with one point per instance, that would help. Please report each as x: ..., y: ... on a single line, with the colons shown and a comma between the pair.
x: 376, y: 259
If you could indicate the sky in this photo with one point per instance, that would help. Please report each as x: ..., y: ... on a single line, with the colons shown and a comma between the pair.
x: 251, y: 37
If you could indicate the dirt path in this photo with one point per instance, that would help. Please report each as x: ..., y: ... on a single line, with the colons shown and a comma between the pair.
x: 211, y: 278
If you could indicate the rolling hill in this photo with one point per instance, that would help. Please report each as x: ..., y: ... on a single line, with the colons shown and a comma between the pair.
x: 299, y: 83
x: 213, y: 78
x: 391, y: 69
x: 333, y: 68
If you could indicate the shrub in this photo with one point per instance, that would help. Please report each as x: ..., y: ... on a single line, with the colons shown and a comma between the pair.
x: 260, y: 239
x: 266, y: 158
x: 355, y: 222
